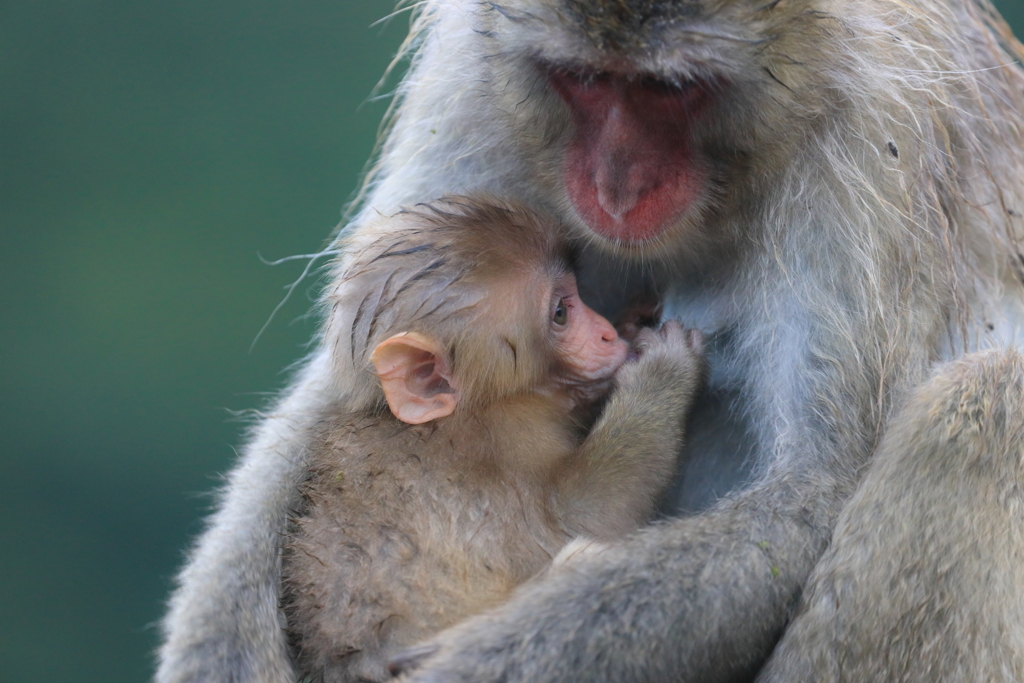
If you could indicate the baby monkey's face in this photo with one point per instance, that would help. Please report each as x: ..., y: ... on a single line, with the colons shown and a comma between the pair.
x: 587, y: 349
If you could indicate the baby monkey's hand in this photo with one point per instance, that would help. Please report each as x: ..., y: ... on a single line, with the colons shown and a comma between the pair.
x: 670, y: 350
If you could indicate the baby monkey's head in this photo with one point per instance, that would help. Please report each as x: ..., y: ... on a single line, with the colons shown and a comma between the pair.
x: 463, y: 302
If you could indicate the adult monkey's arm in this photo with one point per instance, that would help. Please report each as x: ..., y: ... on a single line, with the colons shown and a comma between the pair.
x: 224, y: 623
x: 689, y: 600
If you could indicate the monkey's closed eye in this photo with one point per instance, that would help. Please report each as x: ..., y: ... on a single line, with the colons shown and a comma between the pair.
x: 561, y: 314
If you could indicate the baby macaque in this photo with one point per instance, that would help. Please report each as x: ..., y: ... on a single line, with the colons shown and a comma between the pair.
x: 468, y: 456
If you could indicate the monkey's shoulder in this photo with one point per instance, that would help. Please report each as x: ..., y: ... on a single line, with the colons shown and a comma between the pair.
x: 369, y: 460
x: 382, y: 492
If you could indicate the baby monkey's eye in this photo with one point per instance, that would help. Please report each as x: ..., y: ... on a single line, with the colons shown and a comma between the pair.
x: 561, y: 315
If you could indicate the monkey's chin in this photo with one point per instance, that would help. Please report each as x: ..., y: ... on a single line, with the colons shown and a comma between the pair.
x: 652, y: 215
x: 681, y: 237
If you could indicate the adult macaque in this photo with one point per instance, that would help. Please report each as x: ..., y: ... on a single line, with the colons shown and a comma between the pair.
x: 834, y: 189
x: 466, y: 319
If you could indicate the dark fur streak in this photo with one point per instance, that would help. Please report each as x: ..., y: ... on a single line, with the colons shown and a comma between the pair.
x: 378, y: 310
x: 432, y: 311
x: 470, y: 208
x: 775, y: 78
x: 427, y: 270
x: 529, y: 92
x: 515, y: 356
x: 507, y: 14
x: 452, y: 314
x: 346, y: 653
x: 403, y: 252
x: 312, y: 556
x: 433, y: 209
x: 355, y: 324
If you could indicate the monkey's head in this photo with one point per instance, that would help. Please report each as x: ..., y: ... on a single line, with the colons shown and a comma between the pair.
x: 464, y: 302
x: 702, y: 129
x: 651, y: 120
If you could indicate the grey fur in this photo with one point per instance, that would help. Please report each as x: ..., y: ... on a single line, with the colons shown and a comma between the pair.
x: 924, y: 577
x: 835, y: 274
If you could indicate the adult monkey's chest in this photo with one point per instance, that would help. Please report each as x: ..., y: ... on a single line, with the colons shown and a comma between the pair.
x: 719, y: 449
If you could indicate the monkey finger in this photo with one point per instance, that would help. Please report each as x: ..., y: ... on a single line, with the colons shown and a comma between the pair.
x: 695, y: 340
x: 645, y: 339
x: 672, y: 329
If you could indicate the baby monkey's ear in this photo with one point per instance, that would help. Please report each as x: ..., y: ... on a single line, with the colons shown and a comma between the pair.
x: 415, y: 375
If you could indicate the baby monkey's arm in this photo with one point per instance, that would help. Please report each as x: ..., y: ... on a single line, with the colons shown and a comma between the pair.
x: 629, y: 457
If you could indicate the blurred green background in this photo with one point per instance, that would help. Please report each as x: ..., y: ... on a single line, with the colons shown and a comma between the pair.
x: 148, y: 153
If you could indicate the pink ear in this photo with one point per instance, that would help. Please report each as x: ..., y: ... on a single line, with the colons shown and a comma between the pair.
x: 415, y: 376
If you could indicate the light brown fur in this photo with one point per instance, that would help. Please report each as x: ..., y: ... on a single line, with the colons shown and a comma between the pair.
x: 404, y: 530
